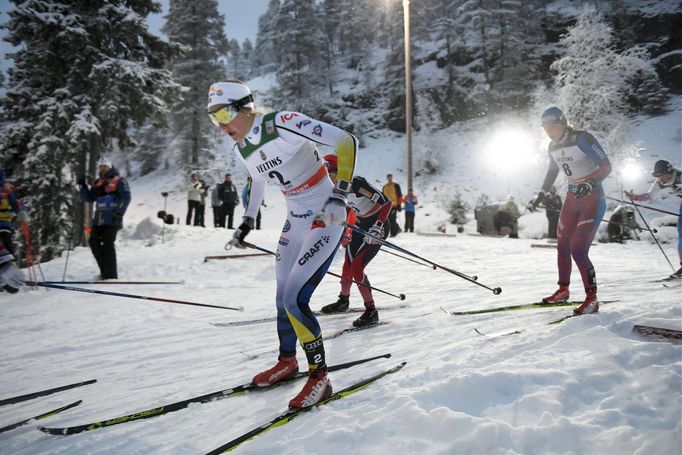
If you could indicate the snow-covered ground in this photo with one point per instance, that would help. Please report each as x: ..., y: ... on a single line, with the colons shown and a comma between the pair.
x: 587, y: 385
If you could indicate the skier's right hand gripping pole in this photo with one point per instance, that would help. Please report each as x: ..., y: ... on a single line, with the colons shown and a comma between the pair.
x: 495, y: 291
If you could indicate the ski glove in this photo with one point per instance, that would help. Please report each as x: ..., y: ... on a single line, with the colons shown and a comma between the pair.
x: 11, y: 278
x: 81, y: 181
x: 583, y: 189
x: 241, y: 232
x: 539, y: 199
x: 377, y: 230
x: 334, y: 211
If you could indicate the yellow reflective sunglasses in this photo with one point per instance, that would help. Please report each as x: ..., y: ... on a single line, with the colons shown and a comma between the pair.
x: 224, y: 115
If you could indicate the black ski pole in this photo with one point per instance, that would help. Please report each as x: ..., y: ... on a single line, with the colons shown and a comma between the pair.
x: 652, y: 234
x: 68, y: 250
x: 264, y: 250
x: 130, y: 296
x: 408, y: 259
x: 643, y: 206
x: 471, y: 279
x: 604, y: 220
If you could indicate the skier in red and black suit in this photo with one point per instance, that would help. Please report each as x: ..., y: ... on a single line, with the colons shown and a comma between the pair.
x: 372, y: 208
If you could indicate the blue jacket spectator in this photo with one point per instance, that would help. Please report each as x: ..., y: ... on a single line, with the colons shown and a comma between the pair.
x: 111, y: 195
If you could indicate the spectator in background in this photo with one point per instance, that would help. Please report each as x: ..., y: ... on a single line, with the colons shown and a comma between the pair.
x: 217, y: 206
x: 230, y: 198
x: 393, y: 192
x: 10, y: 206
x: 506, y: 219
x: 111, y: 195
x: 246, y: 197
x: 552, y: 209
x: 410, y: 202
x: 193, y: 199
x: 201, y: 209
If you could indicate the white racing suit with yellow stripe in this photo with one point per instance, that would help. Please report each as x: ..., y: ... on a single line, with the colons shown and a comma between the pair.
x: 280, y: 149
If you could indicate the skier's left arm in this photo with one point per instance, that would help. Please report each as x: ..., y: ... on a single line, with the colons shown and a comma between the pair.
x: 590, y: 147
x: 653, y: 190
x: 123, y: 198
x: 345, y: 144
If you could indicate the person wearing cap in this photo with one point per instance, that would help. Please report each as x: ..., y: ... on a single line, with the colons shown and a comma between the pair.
x: 10, y: 208
x: 230, y: 197
x: 393, y: 192
x: 667, y: 178
x: 280, y: 148
x: 194, y: 189
x: 371, y: 208
x: 584, y: 163
x: 553, y: 206
x: 411, y: 202
x: 111, y: 194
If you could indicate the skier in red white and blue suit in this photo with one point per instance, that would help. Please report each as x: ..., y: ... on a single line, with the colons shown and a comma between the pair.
x: 585, y: 165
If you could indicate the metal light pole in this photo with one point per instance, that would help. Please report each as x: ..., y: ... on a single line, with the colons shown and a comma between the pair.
x: 408, y: 91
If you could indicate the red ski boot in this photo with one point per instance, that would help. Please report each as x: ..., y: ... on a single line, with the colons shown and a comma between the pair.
x: 559, y: 296
x: 315, y: 390
x: 590, y: 305
x: 287, y: 367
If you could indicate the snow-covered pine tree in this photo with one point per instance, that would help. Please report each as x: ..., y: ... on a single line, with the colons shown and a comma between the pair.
x: 237, y: 65
x: 198, y: 27
x: 516, y: 38
x: 446, y: 32
x: 247, y: 56
x: 593, y: 80
x: 301, y: 72
x: 83, y: 73
x: 264, y: 59
x: 331, y: 17
x: 393, y: 87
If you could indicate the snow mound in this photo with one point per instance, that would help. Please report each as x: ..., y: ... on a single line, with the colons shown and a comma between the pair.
x: 147, y: 229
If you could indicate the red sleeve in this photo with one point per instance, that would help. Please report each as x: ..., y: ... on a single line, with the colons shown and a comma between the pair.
x: 384, y: 212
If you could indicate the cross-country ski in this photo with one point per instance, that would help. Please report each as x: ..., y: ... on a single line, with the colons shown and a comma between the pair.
x: 178, y: 405
x: 291, y: 414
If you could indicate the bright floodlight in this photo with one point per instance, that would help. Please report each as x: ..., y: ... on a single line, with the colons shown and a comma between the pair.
x: 631, y: 171
x: 508, y: 150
